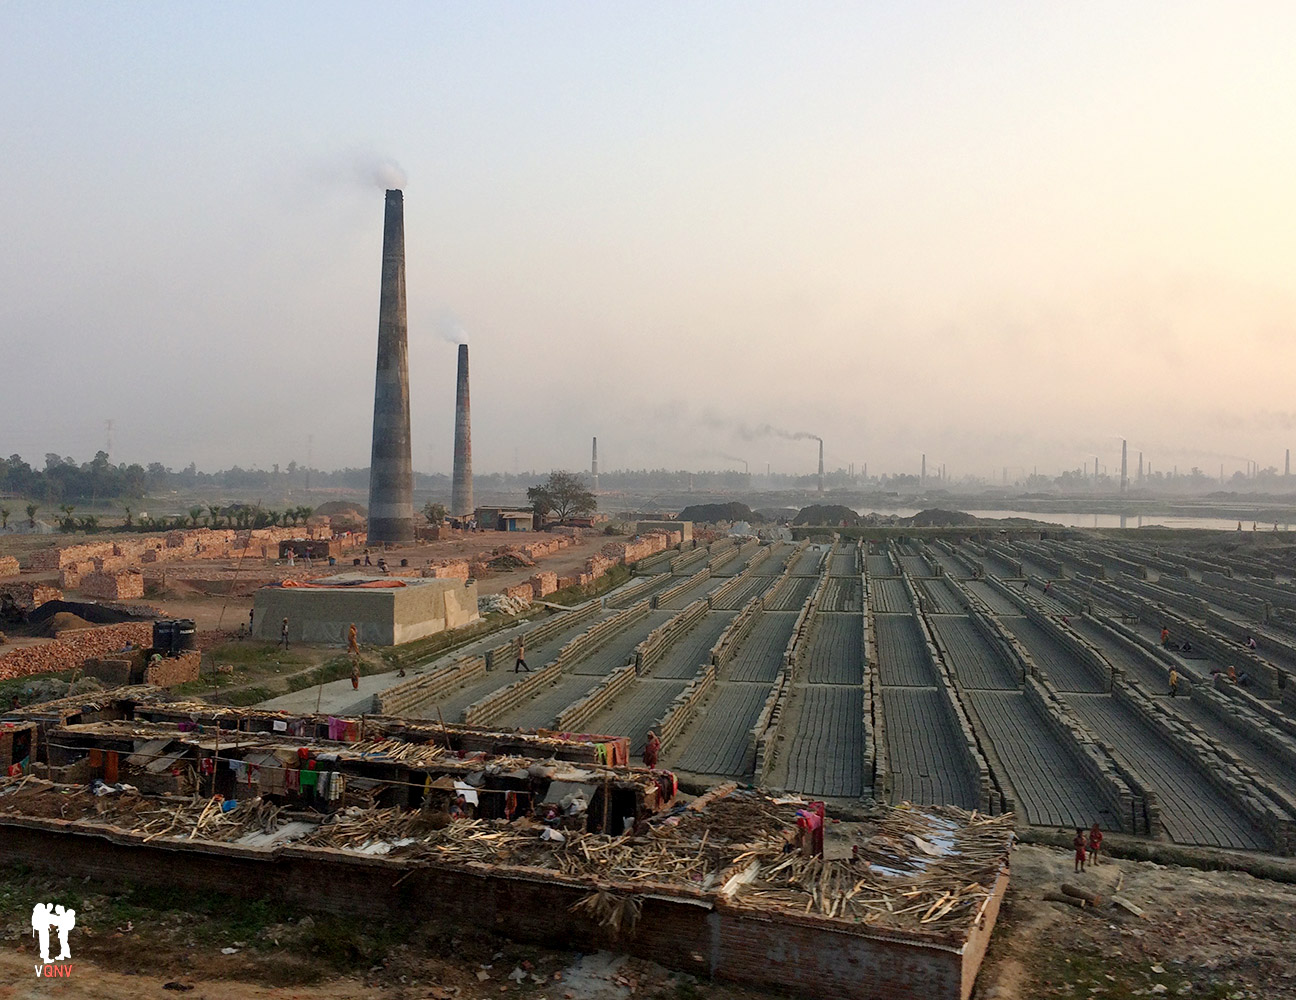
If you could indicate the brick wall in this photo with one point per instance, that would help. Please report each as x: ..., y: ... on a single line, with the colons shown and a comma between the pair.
x: 693, y: 932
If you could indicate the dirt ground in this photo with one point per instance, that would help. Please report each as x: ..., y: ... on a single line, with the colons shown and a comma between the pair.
x: 178, y: 599
x: 1203, y: 933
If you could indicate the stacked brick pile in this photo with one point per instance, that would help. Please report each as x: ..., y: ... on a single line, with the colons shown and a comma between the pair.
x: 28, y: 595
x: 174, y: 670
x: 522, y: 592
x: 543, y: 584
x: 72, y: 648
x: 8, y: 566
x: 77, y: 563
x: 448, y: 569
x: 113, y: 586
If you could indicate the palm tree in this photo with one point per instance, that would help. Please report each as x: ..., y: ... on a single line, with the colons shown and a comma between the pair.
x: 305, y: 512
x: 31, y: 514
x: 4, y: 517
x: 127, y: 522
x: 215, y: 512
x: 194, y: 514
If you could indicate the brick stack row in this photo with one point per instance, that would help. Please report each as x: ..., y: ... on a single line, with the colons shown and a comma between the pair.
x: 71, y: 648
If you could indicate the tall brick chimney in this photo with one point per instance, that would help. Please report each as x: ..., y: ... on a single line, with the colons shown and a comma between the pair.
x: 461, y: 493
x: 594, y: 465
x: 821, y: 465
x: 391, y: 471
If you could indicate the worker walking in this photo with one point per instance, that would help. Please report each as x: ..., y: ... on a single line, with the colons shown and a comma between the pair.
x: 1174, y: 682
x: 1165, y: 636
x: 521, y: 657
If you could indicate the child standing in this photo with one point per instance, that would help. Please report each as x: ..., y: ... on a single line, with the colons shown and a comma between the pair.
x: 1080, y: 848
x: 1095, y: 844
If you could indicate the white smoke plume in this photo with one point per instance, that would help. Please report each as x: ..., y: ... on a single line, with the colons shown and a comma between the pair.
x: 450, y: 329
x: 769, y: 430
x: 385, y: 172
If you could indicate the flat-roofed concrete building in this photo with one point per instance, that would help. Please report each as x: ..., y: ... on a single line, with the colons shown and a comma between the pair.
x: 386, y: 610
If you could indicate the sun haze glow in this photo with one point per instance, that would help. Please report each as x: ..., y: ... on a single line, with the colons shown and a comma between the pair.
x: 998, y: 234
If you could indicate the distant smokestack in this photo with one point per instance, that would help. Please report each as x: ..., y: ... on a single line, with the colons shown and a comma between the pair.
x: 461, y: 493
x: 1140, y: 475
x: 1095, y: 470
x: 391, y: 470
x: 1287, y: 466
x: 594, y: 465
x: 821, y: 465
x: 922, y: 476
x: 1124, y: 466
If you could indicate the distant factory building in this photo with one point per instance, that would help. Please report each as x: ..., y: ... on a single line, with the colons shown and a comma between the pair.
x: 504, y: 519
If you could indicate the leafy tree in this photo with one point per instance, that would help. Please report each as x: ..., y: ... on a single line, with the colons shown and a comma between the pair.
x: 31, y: 514
x: 89, y: 524
x: 4, y: 517
x: 434, y: 512
x: 127, y: 522
x: 563, y: 494
x: 194, y: 514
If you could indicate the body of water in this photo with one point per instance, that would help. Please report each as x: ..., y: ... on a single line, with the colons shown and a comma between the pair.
x: 1074, y: 520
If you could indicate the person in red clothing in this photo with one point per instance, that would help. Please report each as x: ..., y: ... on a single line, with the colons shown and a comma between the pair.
x: 651, y: 749
x: 1080, y: 848
x: 1095, y: 843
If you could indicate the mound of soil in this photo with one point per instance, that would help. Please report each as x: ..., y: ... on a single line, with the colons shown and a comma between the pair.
x: 63, y: 620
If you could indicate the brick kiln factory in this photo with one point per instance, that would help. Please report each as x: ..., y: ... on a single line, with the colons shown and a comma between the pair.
x: 840, y: 732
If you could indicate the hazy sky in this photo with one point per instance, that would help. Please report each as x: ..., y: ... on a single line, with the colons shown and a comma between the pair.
x: 1000, y: 233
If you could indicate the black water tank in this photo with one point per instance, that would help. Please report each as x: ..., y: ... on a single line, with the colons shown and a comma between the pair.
x: 164, y: 635
x: 186, y: 635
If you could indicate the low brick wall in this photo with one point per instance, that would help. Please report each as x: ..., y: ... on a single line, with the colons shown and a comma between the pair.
x: 692, y: 931
x: 648, y: 652
x: 680, y: 564
x: 505, y: 653
x: 973, y: 759
x: 410, y: 695
x: 675, y: 589
x: 736, y: 631
x: 1249, y: 792
x: 498, y: 703
x: 1126, y: 794
x: 576, y: 716
x: 685, y: 705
